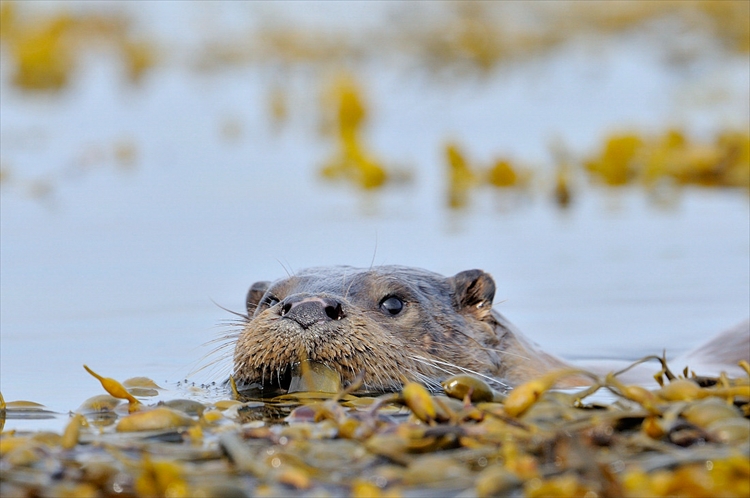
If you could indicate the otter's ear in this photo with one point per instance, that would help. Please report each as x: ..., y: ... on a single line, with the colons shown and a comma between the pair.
x: 255, y: 294
x: 473, y: 291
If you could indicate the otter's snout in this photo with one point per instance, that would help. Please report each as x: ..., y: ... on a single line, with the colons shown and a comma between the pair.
x: 309, y: 310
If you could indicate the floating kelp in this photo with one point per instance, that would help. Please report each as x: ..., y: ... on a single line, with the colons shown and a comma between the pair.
x: 672, y: 156
x: 23, y: 410
x: 46, y: 50
x: 689, y: 436
x: 463, y: 39
x: 141, y: 386
x: 658, y: 162
x: 463, y: 385
x: 452, y: 38
x: 313, y: 376
x: 116, y: 389
x: 346, y: 113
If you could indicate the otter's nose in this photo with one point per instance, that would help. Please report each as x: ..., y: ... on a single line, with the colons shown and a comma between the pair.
x: 309, y: 310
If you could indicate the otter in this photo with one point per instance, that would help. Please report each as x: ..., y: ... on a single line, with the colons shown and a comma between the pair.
x: 388, y: 324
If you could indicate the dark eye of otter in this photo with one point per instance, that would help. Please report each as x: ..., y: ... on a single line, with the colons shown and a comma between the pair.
x: 392, y: 305
x: 270, y: 300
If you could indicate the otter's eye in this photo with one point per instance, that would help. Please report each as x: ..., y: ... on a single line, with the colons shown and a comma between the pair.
x: 392, y: 305
x: 270, y: 301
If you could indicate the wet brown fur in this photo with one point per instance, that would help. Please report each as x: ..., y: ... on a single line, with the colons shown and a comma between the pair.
x: 447, y: 326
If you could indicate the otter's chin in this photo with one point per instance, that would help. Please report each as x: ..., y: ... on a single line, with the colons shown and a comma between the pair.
x: 267, y: 358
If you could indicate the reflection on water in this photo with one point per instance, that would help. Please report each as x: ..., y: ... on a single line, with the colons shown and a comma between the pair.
x: 127, y: 210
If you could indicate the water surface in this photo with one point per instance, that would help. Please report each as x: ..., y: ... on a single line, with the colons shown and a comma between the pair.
x: 122, y: 267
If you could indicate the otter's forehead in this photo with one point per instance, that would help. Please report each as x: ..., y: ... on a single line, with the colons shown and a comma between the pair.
x: 348, y: 280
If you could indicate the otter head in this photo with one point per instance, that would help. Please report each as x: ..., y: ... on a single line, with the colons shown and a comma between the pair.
x: 388, y: 323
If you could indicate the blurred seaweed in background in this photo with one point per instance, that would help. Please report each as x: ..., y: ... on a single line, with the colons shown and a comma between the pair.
x: 44, y: 48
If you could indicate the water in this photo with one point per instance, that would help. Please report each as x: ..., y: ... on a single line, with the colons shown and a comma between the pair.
x: 122, y: 268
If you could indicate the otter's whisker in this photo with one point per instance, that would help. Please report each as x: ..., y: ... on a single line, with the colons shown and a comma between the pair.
x: 233, y: 322
x: 220, y: 353
x: 461, y: 369
x: 351, y: 283
x: 487, y: 348
x: 286, y: 267
x: 229, y: 338
x: 426, y: 361
x: 381, y: 381
x: 506, y: 353
x: 344, y: 287
x: 431, y: 384
x: 233, y: 336
x: 241, y: 315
